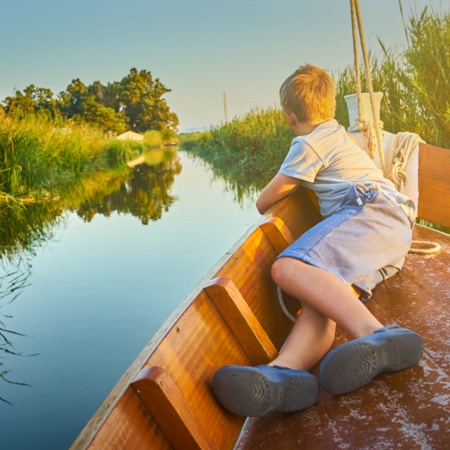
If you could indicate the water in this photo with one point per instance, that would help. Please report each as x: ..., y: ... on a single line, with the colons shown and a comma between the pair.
x: 101, y: 282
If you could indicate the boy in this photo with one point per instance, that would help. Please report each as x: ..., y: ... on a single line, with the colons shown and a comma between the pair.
x: 363, y: 239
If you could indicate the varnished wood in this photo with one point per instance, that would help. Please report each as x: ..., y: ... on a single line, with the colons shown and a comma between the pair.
x: 241, y: 320
x: 277, y: 233
x: 201, y: 336
x: 434, y: 184
x: 167, y: 405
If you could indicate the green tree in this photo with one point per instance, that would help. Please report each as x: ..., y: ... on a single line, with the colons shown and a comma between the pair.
x: 141, y: 99
x: 31, y: 100
x: 135, y: 102
x: 104, y: 117
x: 72, y: 99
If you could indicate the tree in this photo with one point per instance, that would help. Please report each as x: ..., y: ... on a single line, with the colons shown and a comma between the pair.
x: 31, y: 100
x: 135, y: 102
x: 141, y: 97
x: 71, y: 100
x: 104, y: 117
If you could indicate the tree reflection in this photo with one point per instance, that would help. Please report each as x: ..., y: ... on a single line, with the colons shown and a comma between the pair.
x: 243, y: 184
x: 144, y: 194
x: 141, y: 189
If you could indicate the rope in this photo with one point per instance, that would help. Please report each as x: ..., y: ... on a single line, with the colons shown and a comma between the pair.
x: 283, y: 306
x: 430, y: 247
x: 372, y: 130
x: 404, y: 143
x: 398, y: 156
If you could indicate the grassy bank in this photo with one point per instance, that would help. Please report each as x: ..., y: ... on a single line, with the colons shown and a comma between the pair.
x: 38, y: 157
x: 244, y: 147
x: 416, y: 87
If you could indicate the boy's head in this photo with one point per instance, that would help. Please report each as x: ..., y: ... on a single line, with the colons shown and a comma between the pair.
x: 310, y: 94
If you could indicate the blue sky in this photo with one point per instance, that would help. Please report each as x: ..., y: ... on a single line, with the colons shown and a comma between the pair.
x: 197, y: 48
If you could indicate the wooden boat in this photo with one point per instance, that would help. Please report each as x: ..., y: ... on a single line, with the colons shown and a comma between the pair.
x: 165, y: 400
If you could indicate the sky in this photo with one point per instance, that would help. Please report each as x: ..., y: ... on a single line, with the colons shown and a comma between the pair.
x: 208, y: 52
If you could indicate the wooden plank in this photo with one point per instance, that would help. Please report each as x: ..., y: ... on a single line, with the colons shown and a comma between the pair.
x: 249, y: 268
x: 197, y: 345
x: 277, y: 233
x: 434, y: 184
x: 241, y: 320
x: 130, y: 426
x: 407, y: 409
x: 299, y: 211
x: 167, y: 405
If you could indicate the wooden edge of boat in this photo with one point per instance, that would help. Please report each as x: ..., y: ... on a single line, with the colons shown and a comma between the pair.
x: 164, y: 400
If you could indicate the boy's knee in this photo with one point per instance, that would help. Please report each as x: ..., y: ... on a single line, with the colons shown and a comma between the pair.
x: 280, y: 271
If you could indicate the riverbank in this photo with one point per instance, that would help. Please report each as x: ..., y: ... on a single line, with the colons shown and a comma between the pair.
x: 41, y: 158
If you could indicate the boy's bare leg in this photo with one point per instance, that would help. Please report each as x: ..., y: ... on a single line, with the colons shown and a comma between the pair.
x: 325, y: 299
x: 310, y: 339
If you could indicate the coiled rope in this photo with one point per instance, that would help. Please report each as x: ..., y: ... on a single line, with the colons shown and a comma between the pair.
x: 398, y: 157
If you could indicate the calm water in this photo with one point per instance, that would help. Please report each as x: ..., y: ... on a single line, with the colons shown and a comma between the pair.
x: 97, y: 283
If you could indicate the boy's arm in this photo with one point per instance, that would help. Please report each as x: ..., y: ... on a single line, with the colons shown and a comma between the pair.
x: 280, y: 186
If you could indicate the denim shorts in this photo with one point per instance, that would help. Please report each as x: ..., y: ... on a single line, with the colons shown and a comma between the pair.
x: 362, y: 243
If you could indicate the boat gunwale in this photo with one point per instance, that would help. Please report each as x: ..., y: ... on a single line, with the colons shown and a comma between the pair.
x: 89, y: 431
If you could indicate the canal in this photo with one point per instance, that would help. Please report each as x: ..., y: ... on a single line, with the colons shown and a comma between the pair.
x: 85, y: 283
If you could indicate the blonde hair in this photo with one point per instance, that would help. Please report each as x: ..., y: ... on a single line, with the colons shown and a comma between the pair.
x: 310, y: 94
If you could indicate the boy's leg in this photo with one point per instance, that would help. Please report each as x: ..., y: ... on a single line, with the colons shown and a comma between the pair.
x: 376, y: 349
x: 310, y: 339
x: 325, y: 293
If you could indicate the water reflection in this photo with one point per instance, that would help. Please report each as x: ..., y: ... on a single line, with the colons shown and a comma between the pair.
x: 145, y: 192
x: 14, y: 278
x: 244, y: 183
x: 141, y: 189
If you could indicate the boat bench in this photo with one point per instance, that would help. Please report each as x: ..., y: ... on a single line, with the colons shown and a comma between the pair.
x: 165, y: 399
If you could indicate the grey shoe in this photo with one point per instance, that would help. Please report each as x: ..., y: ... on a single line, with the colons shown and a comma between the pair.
x: 255, y: 391
x: 354, y: 364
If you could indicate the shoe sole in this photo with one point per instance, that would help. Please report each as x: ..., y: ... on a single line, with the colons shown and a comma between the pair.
x: 353, y: 365
x: 249, y: 391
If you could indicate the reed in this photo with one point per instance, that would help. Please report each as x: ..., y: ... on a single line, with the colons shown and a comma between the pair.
x: 38, y: 155
x: 251, y: 146
x: 415, y: 82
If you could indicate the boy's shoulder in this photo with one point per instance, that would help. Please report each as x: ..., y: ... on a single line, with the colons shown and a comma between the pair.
x: 324, y: 131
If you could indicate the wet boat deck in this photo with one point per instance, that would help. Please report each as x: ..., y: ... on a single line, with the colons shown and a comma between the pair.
x: 408, y: 409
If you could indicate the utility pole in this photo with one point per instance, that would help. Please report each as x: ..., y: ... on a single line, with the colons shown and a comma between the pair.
x: 225, y: 106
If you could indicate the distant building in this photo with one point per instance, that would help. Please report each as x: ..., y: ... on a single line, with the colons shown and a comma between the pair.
x: 130, y: 136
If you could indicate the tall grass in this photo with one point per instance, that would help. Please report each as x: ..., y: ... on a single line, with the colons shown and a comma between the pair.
x: 249, y: 147
x: 415, y: 82
x: 36, y: 155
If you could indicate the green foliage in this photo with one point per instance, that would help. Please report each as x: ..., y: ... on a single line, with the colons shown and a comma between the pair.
x: 136, y: 102
x: 168, y: 135
x: 38, y: 156
x: 153, y: 138
x: 415, y: 83
x: 246, y: 151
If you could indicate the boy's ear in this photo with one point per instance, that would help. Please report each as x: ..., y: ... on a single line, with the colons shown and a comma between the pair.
x: 291, y: 118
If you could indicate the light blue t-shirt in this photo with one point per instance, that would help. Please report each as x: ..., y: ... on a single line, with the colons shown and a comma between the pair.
x: 328, y: 162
